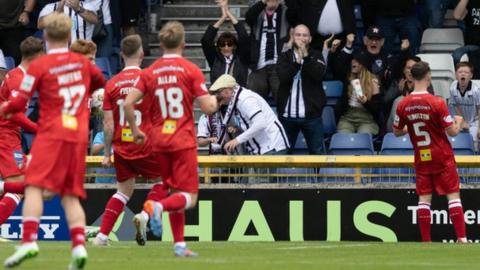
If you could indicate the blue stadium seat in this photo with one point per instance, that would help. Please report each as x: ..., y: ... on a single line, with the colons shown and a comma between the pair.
x: 351, y: 144
x: 336, y: 175
x: 296, y: 179
x: 10, y: 62
x: 462, y: 144
x: 328, y: 119
x: 333, y: 91
x: 103, y: 63
x: 393, y: 145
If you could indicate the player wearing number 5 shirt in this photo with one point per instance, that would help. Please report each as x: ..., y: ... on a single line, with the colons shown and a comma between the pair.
x: 131, y: 160
x: 426, y: 119
x: 176, y: 83
x: 64, y: 81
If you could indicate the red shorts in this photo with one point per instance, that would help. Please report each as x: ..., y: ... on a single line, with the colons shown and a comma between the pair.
x: 179, y: 170
x: 12, y: 161
x: 126, y: 169
x: 444, y: 182
x: 58, y: 166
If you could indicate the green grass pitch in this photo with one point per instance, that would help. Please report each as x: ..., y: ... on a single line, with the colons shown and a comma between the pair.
x: 253, y: 256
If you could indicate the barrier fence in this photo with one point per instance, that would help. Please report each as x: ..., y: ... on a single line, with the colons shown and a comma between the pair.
x: 353, y: 170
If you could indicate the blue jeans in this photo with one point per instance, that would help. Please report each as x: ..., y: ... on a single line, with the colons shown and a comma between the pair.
x: 312, y: 130
x: 105, y: 46
x: 435, y: 11
x: 402, y: 27
x: 458, y: 53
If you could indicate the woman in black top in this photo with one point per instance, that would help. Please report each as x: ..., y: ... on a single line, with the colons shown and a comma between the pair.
x: 228, y: 55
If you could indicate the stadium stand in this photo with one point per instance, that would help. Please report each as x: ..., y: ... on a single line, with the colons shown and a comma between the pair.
x: 10, y: 62
x: 462, y: 144
x: 104, y: 64
x: 329, y: 122
x: 393, y: 145
x: 441, y: 40
x: 333, y: 91
x: 351, y: 144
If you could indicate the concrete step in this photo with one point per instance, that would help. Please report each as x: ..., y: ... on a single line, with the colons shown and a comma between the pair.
x: 198, y: 24
x: 191, y: 36
x: 199, y: 10
x: 191, y: 50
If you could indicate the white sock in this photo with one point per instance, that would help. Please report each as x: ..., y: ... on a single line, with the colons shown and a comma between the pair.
x: 145, y: 215
x: 1, y: 186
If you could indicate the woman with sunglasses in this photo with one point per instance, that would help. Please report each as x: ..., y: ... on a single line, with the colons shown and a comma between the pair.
x: 228, y: 55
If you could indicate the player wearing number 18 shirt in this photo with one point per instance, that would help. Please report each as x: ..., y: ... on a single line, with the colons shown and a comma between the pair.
x: 64, y: 81
x: 176, y: 83
x: 426, y: 119
x: 131, y: 160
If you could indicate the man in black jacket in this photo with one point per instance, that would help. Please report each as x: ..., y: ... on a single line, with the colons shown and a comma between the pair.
x: 269, y: 23
x: 301, y: 97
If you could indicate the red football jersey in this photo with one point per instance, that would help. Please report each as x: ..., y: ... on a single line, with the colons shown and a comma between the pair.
x: 426, y: 117
x: 64, y: 81
x: 9, y: 130
x: 174, y: 82
x: 116, y: 91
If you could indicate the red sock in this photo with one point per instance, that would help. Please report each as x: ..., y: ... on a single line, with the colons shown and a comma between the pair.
x: 8, y: 204
x: 14, y: 187
x: 174, y: 202
x: 177, y: 222
x: 158, y: 192
x: 113, y: 209
x: 30, y: 229
x: 456, y: 216
x: 77, y: 235
x: 424, y: 219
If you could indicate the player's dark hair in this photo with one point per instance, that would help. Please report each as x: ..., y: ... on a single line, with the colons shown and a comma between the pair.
x: 31, y: 47
x: 420, y: 70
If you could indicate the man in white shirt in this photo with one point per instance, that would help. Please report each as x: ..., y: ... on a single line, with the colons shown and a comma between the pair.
x: 263, y: 133
x: 83, y: 15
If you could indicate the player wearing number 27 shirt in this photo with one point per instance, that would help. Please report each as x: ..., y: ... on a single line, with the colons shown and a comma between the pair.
x: 427, y: 120
x: 176, y: 83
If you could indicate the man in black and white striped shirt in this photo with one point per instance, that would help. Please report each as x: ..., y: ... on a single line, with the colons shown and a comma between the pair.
x: 263, y: 134
x: 301, y: 97
x: 83, y: 15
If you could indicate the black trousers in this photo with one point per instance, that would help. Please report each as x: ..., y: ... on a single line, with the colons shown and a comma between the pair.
x: 10, y: 40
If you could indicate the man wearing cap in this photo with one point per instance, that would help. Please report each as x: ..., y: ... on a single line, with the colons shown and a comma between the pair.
x: 381, y: 63
x: 263, y: 133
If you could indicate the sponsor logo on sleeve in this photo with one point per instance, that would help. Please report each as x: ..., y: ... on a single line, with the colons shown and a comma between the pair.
x: 448, y: 119
x: 27, y: 83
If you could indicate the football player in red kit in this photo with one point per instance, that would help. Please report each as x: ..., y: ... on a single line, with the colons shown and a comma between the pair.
x: 64, y: 81
x: 131, y: 160
x: 12, y: 158
x: 176, y: 83
x: 426, y: 119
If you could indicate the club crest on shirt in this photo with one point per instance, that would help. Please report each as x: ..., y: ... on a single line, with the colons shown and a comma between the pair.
x: 448, y: 119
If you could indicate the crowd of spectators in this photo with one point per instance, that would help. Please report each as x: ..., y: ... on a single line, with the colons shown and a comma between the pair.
x: 294, y: 45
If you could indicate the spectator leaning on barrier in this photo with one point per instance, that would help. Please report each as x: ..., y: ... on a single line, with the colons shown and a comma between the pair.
x: 465, y: 99
x: 359, y: 108
x: 82, y: 13
x: 324, y: 17
x: 469, y: 11
x: 301, y: 97
x: 14, y: 16
x: 269, y: 32
x: 263, y: 134
x: 230, y: 55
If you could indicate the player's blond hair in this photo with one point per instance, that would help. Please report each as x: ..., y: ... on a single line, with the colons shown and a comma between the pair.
x: 83, y: 47
x: 58, y: 27
x: 172, y: 35
x: 130, y: 45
